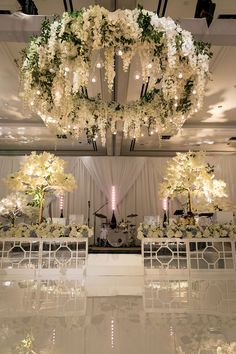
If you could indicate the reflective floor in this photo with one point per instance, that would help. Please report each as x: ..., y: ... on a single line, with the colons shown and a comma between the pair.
x: 128, y: 315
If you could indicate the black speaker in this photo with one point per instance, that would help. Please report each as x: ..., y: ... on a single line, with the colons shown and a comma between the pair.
x: 28, y: 7
x: 205, y: 8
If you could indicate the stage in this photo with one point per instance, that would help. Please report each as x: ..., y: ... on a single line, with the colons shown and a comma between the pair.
x: 114, y: 250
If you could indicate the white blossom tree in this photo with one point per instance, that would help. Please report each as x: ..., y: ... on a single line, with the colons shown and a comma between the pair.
x: 39, y: 176
x: 189, y: 177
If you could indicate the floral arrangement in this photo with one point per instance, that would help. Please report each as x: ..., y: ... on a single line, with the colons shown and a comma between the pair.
x: 58, y: 66
x: 40, y: 175
x: 189, y: 177
x: 45, y: 230
x: 187, y: 231
x: 26, y: 345
x: 14, y: 206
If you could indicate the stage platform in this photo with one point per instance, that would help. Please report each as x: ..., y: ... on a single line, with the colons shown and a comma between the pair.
x: 114, y: 250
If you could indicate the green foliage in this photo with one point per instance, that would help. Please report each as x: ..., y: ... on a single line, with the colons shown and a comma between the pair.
x: 203, y: 48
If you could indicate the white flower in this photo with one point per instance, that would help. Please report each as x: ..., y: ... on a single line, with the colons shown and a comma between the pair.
x: 206, y: 233
x: 178, y: 234
x: 170, y: 234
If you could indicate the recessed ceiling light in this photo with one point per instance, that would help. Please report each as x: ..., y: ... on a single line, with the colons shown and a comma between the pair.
x: 210, y: 142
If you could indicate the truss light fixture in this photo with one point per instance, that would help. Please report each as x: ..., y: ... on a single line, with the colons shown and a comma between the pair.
x: 113, y: 197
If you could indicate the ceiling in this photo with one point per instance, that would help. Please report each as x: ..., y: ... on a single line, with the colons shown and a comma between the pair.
x: 212, y: 129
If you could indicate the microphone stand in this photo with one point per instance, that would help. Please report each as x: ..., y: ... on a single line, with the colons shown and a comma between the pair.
x: 94, y: 222
x: 89, y: 213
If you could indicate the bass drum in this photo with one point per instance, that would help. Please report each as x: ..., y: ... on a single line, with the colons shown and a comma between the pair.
x: 116, y: 237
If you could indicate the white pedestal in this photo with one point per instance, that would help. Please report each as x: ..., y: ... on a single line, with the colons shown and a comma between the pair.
x: 115, y: 264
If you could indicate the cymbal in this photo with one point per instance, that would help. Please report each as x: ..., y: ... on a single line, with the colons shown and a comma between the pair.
x: 132, y: 215
x: 100, y: 216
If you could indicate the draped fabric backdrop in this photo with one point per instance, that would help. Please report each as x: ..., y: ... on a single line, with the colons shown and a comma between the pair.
x: 136, y: 180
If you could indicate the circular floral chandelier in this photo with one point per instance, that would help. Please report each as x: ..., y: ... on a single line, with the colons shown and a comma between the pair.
x: 57, y: 66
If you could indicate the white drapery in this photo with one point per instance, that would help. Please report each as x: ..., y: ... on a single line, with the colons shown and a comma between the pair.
x: 137, y: 180
x: 120, y: 172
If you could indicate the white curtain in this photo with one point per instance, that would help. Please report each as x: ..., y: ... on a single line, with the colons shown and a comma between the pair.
x: 120, y: 172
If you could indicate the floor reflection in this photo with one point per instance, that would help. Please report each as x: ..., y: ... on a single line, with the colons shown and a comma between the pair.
x: 184, y: 316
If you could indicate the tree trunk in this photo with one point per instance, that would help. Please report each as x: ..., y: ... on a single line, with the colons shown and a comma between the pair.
x: 12, y: 220
x: 189, y: 202
x: 41, y: 205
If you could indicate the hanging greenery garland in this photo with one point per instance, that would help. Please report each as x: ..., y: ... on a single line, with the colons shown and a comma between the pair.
x: 57, y: 66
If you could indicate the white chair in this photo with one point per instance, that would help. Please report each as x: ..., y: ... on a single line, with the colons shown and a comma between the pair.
x: 59, y: 221
x: 152, y: 219
x: 76, y: 219
x: 221, y: 217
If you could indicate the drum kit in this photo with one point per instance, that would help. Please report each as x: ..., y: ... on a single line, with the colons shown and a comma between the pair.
x: 122, y: 236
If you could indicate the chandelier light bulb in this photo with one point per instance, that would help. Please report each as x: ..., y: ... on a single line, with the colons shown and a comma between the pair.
x: 180, y: 76
x: 149, y: 66
x: 194, y: 92
x: 137, y: 77
x: 176, y: 97
x: 93, y: 80
x: 142, y: 134
x: 38, y: 92
x: 119, y: 52
x: 151, y: 133
x: 31, y: 103
x: 67, y: 69
x: 196, y: 110
x: 114, y: 133
x: 99, y: 65
x: 176, y: 104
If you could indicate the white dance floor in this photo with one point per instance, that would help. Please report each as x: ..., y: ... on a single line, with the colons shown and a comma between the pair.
x: 108, y: 312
